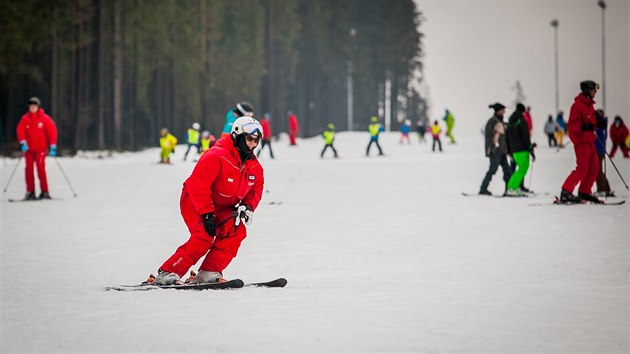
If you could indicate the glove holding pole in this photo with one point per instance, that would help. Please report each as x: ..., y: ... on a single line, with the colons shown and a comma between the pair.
x: 242, y: 213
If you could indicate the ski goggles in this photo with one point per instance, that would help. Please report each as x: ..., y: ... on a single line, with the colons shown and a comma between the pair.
x: 251, y: 129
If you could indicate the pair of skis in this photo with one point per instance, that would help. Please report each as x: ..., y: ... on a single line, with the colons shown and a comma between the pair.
x: 224, y: 285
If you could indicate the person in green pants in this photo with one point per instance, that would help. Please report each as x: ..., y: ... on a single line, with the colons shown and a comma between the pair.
x: 450, y: 122
x: 520, y: 147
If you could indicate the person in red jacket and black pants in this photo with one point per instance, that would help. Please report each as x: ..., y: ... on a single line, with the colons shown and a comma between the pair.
x: 618, y: 135
x: 218, y: 200
x: 36, y: 132
x: 581, y: 127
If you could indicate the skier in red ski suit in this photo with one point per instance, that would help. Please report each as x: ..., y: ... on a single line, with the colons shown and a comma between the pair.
x: 581, y: 127
x: 618, y: 136
x: 217, y: 199
x: 36, y: 132
x: 294, y: 127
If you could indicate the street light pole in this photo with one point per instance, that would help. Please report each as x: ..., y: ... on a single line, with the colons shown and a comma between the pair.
x: 602, y: 5
x: 554, y: 24
x: 349, y: 85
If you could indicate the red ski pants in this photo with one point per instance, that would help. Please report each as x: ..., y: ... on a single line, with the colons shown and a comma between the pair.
x: 586, y: 170
x: 219, y: 250
x: 37, y: 158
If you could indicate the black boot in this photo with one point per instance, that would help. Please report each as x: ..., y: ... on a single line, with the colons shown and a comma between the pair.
x: 30, y: 196
x: 567, y: 197
x: 44, y: 195
x: 589, y: 198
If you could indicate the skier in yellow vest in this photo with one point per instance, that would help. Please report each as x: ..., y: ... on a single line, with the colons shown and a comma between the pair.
x: 207, y: 141
x: 329, y: 138
x: 167, y: 143
x: 192, y: 139
x: 435, y: 132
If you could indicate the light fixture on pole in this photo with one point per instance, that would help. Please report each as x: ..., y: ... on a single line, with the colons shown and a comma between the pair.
x: 602, y: 5
x: 554, y: 24
x: 350, y: 93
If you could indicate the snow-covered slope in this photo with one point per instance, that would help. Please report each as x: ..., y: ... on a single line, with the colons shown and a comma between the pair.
x: 382, y: 254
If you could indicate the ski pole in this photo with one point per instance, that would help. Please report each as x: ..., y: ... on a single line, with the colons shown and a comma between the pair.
x: 12, y: 173
x: 531, y: 175
x: 64, y: 176
x: 616, y: 169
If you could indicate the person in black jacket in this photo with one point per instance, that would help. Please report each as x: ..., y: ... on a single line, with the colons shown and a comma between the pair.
x: 496, y: 148
x: 520, y: 147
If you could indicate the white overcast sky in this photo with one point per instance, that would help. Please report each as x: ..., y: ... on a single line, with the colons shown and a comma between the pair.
x: 475, y: 51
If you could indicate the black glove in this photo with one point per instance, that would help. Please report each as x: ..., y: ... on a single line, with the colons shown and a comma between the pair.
x: 533, y: 155
x: 209, y: 224
x: 588, y: 127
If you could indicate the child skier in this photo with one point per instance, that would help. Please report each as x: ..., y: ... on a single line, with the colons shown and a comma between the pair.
x: 375, y: 129
x: 405, y: 128
x: 329, y: 138
x: 435, y: 132
x: 167, y: 143
x: 421, y: 129
x: 207, y: 141
x: 218, y: 200
x: 192, y: 139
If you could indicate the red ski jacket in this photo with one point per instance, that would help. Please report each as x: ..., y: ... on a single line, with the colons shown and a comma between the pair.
x: 220, y: 180
x: 582, y: 111
x: 618, y: 134
x: 38, y: 129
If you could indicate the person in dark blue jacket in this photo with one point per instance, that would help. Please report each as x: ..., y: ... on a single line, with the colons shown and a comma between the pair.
x: 603, y: 187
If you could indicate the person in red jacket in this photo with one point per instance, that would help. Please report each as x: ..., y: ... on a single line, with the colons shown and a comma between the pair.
x: 36, y: 132
x: 618, y: 136
x: 581, y: 127
x: 217, y: 201
x: 266, y: 129
x: 293, y: 128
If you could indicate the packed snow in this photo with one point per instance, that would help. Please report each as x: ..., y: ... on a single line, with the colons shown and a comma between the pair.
x: 382, y: 254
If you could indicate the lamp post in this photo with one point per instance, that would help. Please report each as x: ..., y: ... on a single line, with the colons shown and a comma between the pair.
x: 602, y: 5
x: 349, y: 92
x: 554, y: 24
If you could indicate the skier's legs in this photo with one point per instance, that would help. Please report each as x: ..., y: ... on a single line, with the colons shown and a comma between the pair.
x: 439, y: 143
x: 40, y: 163
x: 434, y: 142
x: 225, y: 247
x: 380, y: 151
x: 187, y: 150
x: 324, y: 150
x: 29, y: 173
x: 586, y: 184
x: 368, y: 148
x: 197, y: 245
x: 333, y: 149
x: 613, y: 150
x: 521, y: 159
x: 262, y: 146
x: 492, y: 169
x: 270, y: 150
x: 624, y: 150
x: 602, y: 181
x: 581, y: 168
x: 505, y: 166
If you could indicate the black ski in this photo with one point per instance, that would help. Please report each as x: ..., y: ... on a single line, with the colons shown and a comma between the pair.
x: 277, y: 283
x: 29, y: 200
x: 558, y: 202
x: 229, y: 284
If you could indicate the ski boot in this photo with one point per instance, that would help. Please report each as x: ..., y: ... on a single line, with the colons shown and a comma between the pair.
x: 166, y: 278
x: 567, y: 197
x: 589, y: 198
x: 44, y: 195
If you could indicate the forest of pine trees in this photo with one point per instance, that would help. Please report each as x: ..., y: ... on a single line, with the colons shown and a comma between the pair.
x: 111, y: 73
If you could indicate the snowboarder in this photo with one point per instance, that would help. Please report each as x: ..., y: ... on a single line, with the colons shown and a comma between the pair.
x: 375, y: 129
x: 601, y: 131
x: 217, y: 201
x: 266, y: 128
x: 329, y: 138
x: 550, y: 130
x: 405, y: 128
x: 495, y: 148
x: 450, y: 122
x: 241, y: 109
x: 581, y: 129
x: 294, y: 128
x: 618, y: 136
x: 520, y: 147
x: 36, y: 133
x: 435, y: 132
x: 192, y: 139
x: 167, y: 143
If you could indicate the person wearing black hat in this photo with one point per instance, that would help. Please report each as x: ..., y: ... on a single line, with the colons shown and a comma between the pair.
x: 242, y: 109
x: 581, y: 128
x: 36, y: 133
x: 495, y: 148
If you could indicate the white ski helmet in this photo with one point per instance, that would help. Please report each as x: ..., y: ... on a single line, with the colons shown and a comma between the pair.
x: 246, y: 125
x: 196, y: 126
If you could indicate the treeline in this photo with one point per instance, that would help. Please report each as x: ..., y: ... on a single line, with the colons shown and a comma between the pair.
x: 111, y: 73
